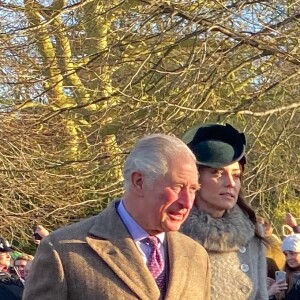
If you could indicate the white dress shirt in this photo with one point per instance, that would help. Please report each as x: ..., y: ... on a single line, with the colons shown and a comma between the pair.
x: 138, y: 234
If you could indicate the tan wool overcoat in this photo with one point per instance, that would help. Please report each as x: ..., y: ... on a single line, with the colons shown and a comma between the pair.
x: 97, y: 259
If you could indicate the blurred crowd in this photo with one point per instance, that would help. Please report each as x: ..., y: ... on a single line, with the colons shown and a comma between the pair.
x: 283, y: 261
x: 15, y: 266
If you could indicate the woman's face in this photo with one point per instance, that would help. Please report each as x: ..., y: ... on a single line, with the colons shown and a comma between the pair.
x: 292, y: 259
x: 219, y: 189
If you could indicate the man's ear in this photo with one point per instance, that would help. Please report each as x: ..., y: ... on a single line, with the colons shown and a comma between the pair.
x: 138, y: 182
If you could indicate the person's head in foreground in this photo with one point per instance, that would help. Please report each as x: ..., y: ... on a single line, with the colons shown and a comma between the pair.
x: 160, y: 180
x: 220, y: 154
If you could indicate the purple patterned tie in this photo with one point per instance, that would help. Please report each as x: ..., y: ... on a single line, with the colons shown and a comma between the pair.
x: 156, y: 263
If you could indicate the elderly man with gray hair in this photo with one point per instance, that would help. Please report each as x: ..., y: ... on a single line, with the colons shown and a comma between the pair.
x: 132, y: 249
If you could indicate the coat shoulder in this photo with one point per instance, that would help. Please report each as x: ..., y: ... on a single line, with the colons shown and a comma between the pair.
x: 80, y: 230
x: 76, y: 231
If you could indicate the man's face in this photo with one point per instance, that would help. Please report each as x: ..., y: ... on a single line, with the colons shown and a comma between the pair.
x: 4, y: 260
x: 219, y: 189
x: 167, y: 200
x: 20, y: 264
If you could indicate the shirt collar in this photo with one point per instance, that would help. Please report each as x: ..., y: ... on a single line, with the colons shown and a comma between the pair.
x: 135, y: 230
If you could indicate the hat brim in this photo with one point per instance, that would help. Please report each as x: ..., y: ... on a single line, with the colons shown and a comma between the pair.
x: 217, y: 154
x: 6, y: 249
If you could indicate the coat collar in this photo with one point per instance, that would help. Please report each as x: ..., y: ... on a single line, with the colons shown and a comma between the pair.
x: 109, y: 238
x: 229, y: 233
x: 179, y: 264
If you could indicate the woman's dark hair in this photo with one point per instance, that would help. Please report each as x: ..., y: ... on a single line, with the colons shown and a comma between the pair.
x: 248, y: 210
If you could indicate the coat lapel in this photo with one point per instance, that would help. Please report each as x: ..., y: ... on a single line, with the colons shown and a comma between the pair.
x: 179, y: 262
x: 109, y: 238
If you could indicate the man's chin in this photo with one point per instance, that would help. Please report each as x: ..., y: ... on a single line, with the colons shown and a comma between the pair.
x: 172, y: 225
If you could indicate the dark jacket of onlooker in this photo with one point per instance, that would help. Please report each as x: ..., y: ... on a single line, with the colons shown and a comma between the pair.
x: 10, y: 288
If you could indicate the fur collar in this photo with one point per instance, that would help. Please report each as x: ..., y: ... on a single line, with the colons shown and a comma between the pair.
x: 229, y: 233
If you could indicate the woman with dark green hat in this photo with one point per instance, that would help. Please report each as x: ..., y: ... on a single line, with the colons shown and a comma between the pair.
x: 221, y: 220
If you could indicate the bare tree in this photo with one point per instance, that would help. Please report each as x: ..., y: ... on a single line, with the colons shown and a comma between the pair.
x: 82, y: 80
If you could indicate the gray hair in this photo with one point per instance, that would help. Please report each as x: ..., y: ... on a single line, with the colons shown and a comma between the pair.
x: 152, y: 154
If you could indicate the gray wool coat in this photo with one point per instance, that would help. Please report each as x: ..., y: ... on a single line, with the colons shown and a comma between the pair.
x: 97, y: 259
x: 237, y: 257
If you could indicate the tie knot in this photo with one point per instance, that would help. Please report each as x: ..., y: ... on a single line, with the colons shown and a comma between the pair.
x: 152, y: 241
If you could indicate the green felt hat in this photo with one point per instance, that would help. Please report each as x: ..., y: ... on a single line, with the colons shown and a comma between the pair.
x: 216, y: 145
